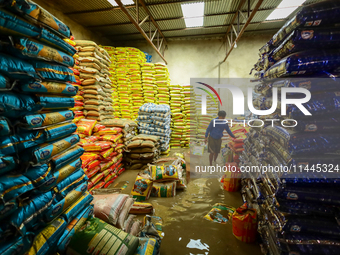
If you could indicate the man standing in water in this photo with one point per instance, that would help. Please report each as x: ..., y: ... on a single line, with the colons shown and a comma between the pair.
x: 214, y: 135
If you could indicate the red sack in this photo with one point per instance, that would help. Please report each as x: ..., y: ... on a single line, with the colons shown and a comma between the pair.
x: 86, y: 158
x: 245, y: 224
x: 78, y: 103
x: 110, y: 182
x: 86, y: 126
x: 232, y: 180
x: 98, y: 127
x: 92, y: 172
x: 97, y: 146
x: 109, y: 131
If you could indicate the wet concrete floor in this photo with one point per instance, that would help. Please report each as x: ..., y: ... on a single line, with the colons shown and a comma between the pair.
x: 184, y: 223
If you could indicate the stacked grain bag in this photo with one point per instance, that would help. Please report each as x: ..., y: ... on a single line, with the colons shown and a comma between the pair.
x: 155, y: 120
x: 176, y: 102
x: 94, y: 63
x: 102, y: 160
x: 188, y: 110
x: 112, y: 70
x: 148, y: 82
x: 296, y: 204
x: 142, y: 150
x: 162, y: 81
x: 42, y: 185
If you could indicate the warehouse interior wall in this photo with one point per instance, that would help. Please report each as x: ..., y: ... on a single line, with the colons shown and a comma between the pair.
x: 200, y: 59
x: 79, y: 31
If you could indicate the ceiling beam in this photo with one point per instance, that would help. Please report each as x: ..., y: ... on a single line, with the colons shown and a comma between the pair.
x: 175, y: 18
x: 235, y: 16
x: 136, y: 24
x: 127, y: 7
x: 201, y: 35
x: 251, y: 16
x: 194, y: 28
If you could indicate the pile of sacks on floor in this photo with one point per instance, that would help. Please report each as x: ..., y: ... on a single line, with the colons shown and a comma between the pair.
x: 43, y: 188
x: 102, y: 160
x: 155, y: 120
x: 159, y: 181
x: 96, y: 86
x: 141, y: 150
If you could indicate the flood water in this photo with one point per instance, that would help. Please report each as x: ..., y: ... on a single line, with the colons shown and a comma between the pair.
x: 186, y: 231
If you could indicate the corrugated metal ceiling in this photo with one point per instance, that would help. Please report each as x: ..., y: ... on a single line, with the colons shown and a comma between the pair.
x: 168, y: 15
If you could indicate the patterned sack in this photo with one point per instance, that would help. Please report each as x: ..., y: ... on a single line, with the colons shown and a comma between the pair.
x: 45, y: 87
x: 53, y: 72
x: 65, y: 158
x: 7, y: 164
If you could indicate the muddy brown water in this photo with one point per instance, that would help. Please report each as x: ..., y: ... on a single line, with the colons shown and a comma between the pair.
x: 184, y: 225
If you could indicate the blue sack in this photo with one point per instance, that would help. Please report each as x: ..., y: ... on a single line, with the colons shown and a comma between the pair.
x: 5, y: 83
x: 82, y: 202
x: 46, y: 119
x: 73, y: 227
x: 51, y: 88
x: 66, y: 157
x: 28, y: 49
x: 31, y: 213
x: 11, y: 24
x: 14, y: 185
x: 5, y: 126
x: 16, y: 68
x: 14, y: 105
x: 45, y: 241
x: 55, y: 103
x: 18, y: 246
x: 56, y: 42
x: 57, y: 177
x: 45, y: 152
x: 60, y: 206
x: 70, y: 183
x: 27, y: 139
x: 53, y: 72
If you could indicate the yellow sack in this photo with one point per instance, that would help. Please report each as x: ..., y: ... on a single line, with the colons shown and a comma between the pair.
x: 164, y: 173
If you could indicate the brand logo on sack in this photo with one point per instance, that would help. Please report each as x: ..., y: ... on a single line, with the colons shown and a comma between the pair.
x: 44, y: 153
x: 36, y: 120
x: 238, y: 100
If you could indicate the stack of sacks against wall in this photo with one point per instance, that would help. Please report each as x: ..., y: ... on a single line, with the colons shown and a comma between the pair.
x: 112, y: 70
x: 103, y: 153
x: 94, y: 63
x: 176, y: 102
x: 162, y: 81
x: 129, y: 82
x: 148, y: 82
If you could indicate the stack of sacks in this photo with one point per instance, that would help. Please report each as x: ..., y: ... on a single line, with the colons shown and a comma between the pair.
x: 188, y: 106
x: 162, y: 81
x: 142, y: 150
x: 155, y: 120
x: 204, y: 121
x: 114, y: 209
x: 103, y: 153
x: 135, y: 59
x: 123, y: 84
x: 112, y: 70
x: 176, y: 103
x: 236, y: 144
x: 94, y: 74
x: 41, y: 180
x: 298, y: 208
x: 148, y: 82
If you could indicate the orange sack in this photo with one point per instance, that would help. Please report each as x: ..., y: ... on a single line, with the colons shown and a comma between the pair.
x: 245, y: 224
x: 232, y: 180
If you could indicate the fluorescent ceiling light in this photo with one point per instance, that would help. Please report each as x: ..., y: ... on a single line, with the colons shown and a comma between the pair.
x: 194, y: 22
x: 193, y: 14
x: 125, y: 2
x: 284, y: 9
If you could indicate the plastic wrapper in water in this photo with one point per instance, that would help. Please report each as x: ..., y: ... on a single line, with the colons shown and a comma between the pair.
x: 44, y: 152
x: 25, y: 48
x: 66, y: 157
x: 45, y: 87
x: 305, y: 62
x: 52, y: 103
x: 53, y: 72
